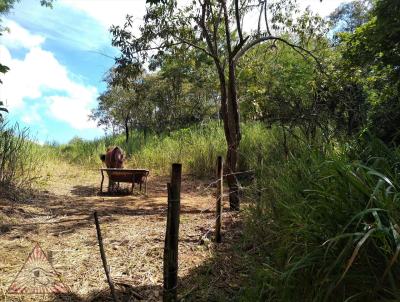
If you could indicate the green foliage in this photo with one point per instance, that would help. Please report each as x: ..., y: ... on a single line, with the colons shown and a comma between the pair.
x: 196, y: 148
x: 20, y: 158
x: 2, y: 109
x: 326, y: 227
x: 180, y: 94
x: 385, y: 120
x: 350, y: 15
x: 372, y: 52
x: 6, y: 5
x: 376, y: 41
x: 278, y: 86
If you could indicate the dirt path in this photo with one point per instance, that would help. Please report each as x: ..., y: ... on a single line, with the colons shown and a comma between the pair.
x: 133, y: 227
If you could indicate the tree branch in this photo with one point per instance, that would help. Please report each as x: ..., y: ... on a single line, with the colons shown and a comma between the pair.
x: 259, y: 19
x: 202, y: 24
x: 209, y: 42
x: 260, y: 40
x: 266, y: 17
x: 194, y: 45
x: 250, y: 45
x: 239, y: 46
x: 227, y: 30
x: 238, y: 25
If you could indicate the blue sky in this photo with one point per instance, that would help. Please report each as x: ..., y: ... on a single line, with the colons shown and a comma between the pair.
x: 56, y: 68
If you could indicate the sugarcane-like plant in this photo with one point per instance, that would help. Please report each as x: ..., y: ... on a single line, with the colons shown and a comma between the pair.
x: 2, y: 109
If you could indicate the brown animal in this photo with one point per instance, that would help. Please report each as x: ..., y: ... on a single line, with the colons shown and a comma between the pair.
x: 114, y: 158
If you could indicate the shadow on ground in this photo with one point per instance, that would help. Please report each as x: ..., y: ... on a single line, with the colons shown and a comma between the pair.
x: 85, y: 191
x: 90, y: 191
x: 68, y: 214
x: 219, y: 279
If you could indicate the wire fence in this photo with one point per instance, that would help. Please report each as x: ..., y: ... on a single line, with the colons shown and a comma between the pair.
x: 205, y: 211
x: 207, y: 190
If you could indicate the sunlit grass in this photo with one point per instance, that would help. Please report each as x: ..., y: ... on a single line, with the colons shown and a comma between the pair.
x: 323, y: 219
x: 197, y: 148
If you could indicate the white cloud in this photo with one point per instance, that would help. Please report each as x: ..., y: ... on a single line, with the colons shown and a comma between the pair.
x: 39, y: 75
x: 109, y: 12
x: 323, y: 8
x: 17, y: 36
x: 73, y: 109
x: 70, y: 110
x: 113, y: 12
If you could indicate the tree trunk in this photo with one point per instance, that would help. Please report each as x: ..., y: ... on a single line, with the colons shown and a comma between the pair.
x: 231, y: 160
x: 229, y: 105
x: 230, y: 116
x: 234, y: 141
x: 127, y: 129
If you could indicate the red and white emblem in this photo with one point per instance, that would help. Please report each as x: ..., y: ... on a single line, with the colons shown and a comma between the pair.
x: 37, y: 276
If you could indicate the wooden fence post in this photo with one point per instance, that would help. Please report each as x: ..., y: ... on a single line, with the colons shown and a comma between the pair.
x: 172, y: 235
x: 218, y: 212
x: 103, y: 257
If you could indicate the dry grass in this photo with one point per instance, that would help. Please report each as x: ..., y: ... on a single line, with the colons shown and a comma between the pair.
x: 133, y: 227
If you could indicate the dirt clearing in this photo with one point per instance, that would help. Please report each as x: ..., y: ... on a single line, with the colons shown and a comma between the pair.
x: 60, y: 219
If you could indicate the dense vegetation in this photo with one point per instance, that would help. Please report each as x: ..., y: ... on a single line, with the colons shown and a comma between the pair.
x: 325, y: 227
x: 21, y: 161
x: 320, y: 127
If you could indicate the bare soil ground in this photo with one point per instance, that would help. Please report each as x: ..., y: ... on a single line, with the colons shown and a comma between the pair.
x: 60, y: 218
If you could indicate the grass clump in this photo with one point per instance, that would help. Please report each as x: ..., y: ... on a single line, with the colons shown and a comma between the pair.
x: 20, y: 158
x: 326, y: 229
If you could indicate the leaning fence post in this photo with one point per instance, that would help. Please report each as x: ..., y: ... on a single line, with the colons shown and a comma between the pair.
x: 103, y: 257
x: 172, y: 235
x: 218, y: 212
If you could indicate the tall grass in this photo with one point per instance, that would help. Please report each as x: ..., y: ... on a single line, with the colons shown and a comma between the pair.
x: 327, y: 228
x: 324, y: 222
x: 196, y: 148
x: 20, y: 158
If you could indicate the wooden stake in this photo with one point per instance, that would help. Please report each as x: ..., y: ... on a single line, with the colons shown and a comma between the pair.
x: 172, y: 235
x: 103, y: 257
x: 218, y: 212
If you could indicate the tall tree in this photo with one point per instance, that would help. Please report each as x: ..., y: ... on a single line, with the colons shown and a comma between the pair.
x: 215, y: 28
x: 373, y: 52
x: 115, y: 109
x: 181, y: 93
x: 350, y: 15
